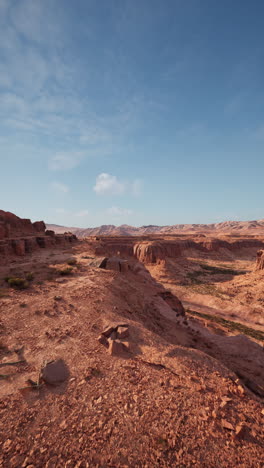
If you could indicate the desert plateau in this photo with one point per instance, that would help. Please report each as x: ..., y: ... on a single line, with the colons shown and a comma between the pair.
x: 131, y: 234
x: 128, y: 351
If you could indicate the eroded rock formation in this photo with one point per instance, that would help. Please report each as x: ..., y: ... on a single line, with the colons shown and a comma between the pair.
x: 20, y: 236
x: 13, y: 226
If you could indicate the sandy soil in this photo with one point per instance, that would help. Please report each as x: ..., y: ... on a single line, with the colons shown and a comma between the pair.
x: 185, y: 395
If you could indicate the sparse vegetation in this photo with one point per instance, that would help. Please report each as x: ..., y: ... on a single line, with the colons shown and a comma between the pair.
x: 18, y: 283
x: 229, y: 324
x: 198, y: 279
x: 214, y: 270
x: 66, y: 271
x: 193, y: 276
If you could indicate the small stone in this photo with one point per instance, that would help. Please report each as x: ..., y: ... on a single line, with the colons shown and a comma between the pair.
x: 57, y: 298
x: 63, y: 425
x: 7, y: 445
x: 241, y: 390
x: 82, y: 382
x: 241, y: 431
x: 227, y: 425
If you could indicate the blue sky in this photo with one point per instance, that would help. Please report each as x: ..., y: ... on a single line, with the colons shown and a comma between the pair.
x: 132, y: 111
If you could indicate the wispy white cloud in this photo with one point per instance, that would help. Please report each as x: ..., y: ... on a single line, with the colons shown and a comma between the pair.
x: 118, y: 212
x: 107, y: 184
x: 38, y: 93
x: 59, y: 187
x: 28, y: 18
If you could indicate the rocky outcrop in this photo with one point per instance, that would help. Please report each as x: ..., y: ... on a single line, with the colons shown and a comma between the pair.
x: 112, y: 263
x: 154, y: 252
x: 260, y: 260
x: 20, y: 236
x: 12, y: 226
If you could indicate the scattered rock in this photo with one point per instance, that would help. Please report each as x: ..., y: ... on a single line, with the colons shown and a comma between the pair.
x: 55, y: 372
x: 57, y: 298
x: 63, y: 425
x: 241, y: 431
x: 118, y: 348
x: 6, y: 446
x: 227, y: 425
x: 113, y: 328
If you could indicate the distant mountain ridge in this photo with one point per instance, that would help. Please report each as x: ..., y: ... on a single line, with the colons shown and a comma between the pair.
x: 255, y: 227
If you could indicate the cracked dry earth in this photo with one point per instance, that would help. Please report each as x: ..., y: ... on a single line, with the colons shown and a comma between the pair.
x: 163, y: 404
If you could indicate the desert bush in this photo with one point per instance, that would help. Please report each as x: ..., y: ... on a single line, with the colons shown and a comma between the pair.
x: 18, y: 283
x: 72, y: 261
x: 66, y: 271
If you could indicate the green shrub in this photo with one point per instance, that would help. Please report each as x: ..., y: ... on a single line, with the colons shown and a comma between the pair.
x: 66, y: 271
x: 18, y: 283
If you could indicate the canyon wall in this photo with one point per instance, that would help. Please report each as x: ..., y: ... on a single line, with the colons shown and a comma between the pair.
x: 155, y: 251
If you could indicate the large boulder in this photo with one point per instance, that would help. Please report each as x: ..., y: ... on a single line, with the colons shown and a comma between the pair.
x: 55, y: 372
